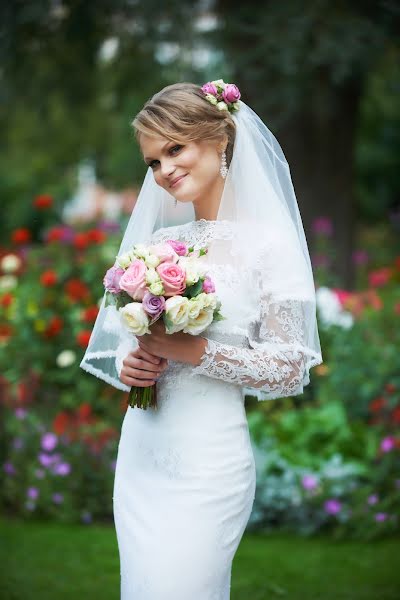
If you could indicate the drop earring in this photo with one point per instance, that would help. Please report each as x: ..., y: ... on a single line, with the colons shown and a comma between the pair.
x: 223, y: 168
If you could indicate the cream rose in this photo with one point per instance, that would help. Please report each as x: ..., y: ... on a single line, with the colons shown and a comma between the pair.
x: 152, y: 276
x: 196, y: 326
x: 176, y: 313
x: 196, y: 304
x: 193, y: 269
x: 140, y: 251
x: 151, y: 261
x: 134, y: 318
x: 157, y: 288
x: 125, y: 260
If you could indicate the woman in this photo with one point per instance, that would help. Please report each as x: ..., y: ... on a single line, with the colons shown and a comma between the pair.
x: 185, y: 474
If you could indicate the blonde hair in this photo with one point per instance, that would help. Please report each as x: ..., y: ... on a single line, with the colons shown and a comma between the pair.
x: 181, y: 113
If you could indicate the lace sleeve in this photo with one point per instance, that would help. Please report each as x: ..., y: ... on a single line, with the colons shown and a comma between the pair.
x: 277, y: 362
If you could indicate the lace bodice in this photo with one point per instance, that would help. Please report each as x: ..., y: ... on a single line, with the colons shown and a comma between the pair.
x: 261, y: 344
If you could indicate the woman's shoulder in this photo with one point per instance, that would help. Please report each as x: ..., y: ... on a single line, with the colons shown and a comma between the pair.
x: 196, y: 232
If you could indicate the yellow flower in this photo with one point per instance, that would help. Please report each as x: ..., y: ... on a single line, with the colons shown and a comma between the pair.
x: 39, y: 325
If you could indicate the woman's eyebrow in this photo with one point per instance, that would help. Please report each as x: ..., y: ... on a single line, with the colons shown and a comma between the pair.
x: 148, y: 158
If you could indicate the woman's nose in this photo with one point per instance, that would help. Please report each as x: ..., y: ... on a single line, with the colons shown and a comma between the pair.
x: 167, y: 168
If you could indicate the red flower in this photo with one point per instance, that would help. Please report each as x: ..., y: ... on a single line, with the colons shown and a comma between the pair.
x: 21, y: 235
x: 76, y: 290
x: 96, y: 235
x: 48, y: 278
x: 81, y: 241
x: 84, y: 412
x: 61, y: 422
x: 55, y: 234
x: 380, y: 277
x: 43, y: 201
x: 5, y: 332
x: 390, y: 388
x: 54, y: 327
x: 83, y: 337
x: 90, y: 313
x: 395, y: 416
x: 377, y: 404
x: 6, y: 300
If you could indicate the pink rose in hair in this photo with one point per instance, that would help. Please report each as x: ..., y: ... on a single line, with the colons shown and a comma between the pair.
x: 133, y: 281
x: 173, y: 278
x: 210, y: 88
x: 180, y: 247
x: 165, y: 252
x: 231, y: 93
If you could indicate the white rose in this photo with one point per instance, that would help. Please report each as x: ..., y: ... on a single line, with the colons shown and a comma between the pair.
x: 151, y: 261
x: 210, y: 301
x: 7, y: 282
x: 157, y: 288
x: 10, y: 263
x: 176, y: 313
x: 196, y: 304
x: 140, y: 251
x: 124, y: 260
x: 211, y: 98
x: 152, y: 276
x: 196, y: 326
x: 66, y: 358
x: 134, y: 318
x: 192, y: 269
x: 222, y: 106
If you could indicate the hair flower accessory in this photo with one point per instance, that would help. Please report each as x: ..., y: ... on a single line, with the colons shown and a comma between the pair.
x: 223, y: 95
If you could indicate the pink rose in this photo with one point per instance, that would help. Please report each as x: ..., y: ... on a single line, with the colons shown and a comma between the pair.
x: 210, y: 88
x: 165, y: 252
x: 208, y: 285
x: 133, y: 281
x: 180, y: 247
x: 231, y: 93
x: 173, y: 278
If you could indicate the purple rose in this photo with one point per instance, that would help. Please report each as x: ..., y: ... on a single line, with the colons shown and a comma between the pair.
x: 49, y: 441
x: 209, y: 88
x: 112, y: 278
x: 208, y: 285
x: 231, y: 93
x: 153, y: 305
x: 180, y: 247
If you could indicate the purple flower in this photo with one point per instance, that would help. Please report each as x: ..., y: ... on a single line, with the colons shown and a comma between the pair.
x: 332, y: 506
x: 57, y: 498
x: 322, y: 226
x: 360, y: 257
x: 309, y: 482
x: 47, y: 460
x: 109, y: 226
x: 9, y: 468
x: 32, y: 493
x: 387, y: 443
x: 18, y: 443
x: 208, y: 285
x: 380, y: 516
x: 231, y: 93
x: 20, y: 413
x: 49, y: 441
x: 62, y: 469
x: 40, y: 474
x: 373, y: 499
x: 86, y: 516
x: 180, y: 247
x: 112, y: 278
x: 153, y: 305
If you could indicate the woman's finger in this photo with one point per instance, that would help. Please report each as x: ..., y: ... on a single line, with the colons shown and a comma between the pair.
x: 150, y: 357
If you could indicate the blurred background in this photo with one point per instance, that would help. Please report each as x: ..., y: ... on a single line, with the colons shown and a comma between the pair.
x: 325, y: 78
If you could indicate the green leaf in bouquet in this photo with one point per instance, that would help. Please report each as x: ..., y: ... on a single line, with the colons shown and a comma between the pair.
x: 110, y: 299
x: 167, y: 322
x: 195, y: 289
x: 122, y: 299
x: 218, y: 317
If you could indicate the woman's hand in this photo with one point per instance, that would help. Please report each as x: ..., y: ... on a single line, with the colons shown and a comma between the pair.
x: 140, y: 368
x: 180, y: 347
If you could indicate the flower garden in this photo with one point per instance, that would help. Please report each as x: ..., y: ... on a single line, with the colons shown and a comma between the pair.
x: 327, y: 461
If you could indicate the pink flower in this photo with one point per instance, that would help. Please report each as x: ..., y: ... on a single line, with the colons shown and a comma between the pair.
x: 49, y: 441
x: 309, y: 482
x: 231, y: 93
x: 112, y: 278
x: 209, y: 88
x: 387, y: 443
x: 173, y: 278
x: 165, y: 252
x: 380, y: 516
x: 322, y: 226
x: 380, y: 277
x: 62, y: 469
x: 342, y: 295
x: 208, y: 285
x: 133, y: 281
x: 373, y: 499
x: 32, y: 493
x: 359, y: 257
x: 180, y: 247
x: 332, y: 506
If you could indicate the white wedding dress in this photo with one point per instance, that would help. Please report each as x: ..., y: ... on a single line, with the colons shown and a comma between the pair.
x: 185, y: 475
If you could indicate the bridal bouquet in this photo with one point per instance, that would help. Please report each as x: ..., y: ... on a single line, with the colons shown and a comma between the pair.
x: 167, y: 281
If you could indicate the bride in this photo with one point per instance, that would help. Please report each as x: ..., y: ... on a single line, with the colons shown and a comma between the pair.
x: 185, y: 474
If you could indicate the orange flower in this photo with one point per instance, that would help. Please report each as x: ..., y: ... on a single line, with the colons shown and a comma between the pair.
x: 48, y: 278
x: 21, y: 235
x: 43, y: 201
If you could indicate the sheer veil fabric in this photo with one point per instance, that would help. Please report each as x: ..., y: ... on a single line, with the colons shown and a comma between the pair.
x: 268, y: 245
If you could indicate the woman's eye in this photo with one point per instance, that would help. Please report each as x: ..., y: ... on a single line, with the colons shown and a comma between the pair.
x: 172, y: 150
x: 175, y: 148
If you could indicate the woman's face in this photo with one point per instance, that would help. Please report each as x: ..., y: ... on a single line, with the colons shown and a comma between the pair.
x: 196, y: 163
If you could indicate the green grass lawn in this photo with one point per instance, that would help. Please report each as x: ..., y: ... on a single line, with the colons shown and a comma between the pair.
x: 60, y: 562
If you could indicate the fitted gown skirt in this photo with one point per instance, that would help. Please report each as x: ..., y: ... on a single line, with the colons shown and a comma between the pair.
x: 184, y: 489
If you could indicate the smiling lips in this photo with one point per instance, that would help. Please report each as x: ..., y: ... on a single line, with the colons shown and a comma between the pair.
x: 175, y: 181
